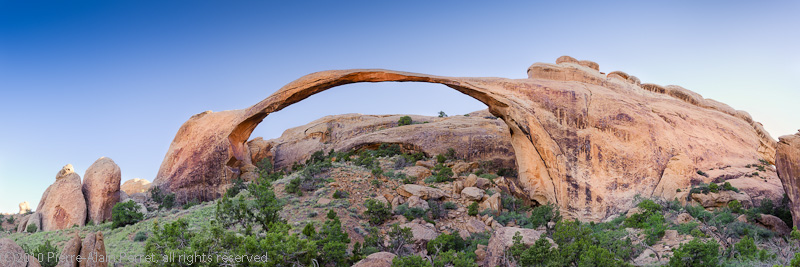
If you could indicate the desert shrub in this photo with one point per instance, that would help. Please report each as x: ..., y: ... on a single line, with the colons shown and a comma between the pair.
x: 455, y: 259
x: 702, y: 173
x: 735, y: 206
x: 507, y: 172
x: 193, y: 202
x: 745, y: 229
x: 437, y: 209
x: 698, y: 212
x: 472, y: 209
x: 377, y: 212
x: 795, y: 234
x: 32, y: 228
x: 395, y: 241
x: 261, y: 211
x: 125, y: 213
x: 140, y: 237
x: 410, y: 213
x: 377, y: 172
x: 376, y: 183
x: 722, y: 218
x: 489, y: 176
x: 445, y: 242
x: 309, y: 230
x: 440, y: 158
x: 451, y: 154
x: 405, y: 120
x: 412, y: 260
x: 696, y: 253
x: 441, y: 174
x: 449, y: 205
x: 746, y: 248
x: 46, y: 253
x: 686, y: 228
x: 168, y: 202
x: 713, y: 187
x: 647, y: 208
x: 236, y: 186
x: 729, y: 187
x: 796, y: 261
x: 338, y: 194
x: 541, y: 215
x: 521, y: 219
x: 442, y: 114
x: 512, y: 203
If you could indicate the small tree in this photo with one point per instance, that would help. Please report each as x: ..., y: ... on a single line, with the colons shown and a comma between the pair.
x: 377, y: 212
x: 125, y: 213
x: 442, y: 114
x: 405, y: 120
x: 472, y: 209
x: 696, y: 253
x: 47, y: 254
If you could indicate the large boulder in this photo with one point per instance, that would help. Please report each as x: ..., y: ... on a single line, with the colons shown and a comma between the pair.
x: 585, y: 141
x: 677, y: 175
x: 721, y: 199
x: 774, y: 223
x: 93, y: 251
x: 136, y: 185
x: 421, y: 232
x: 424, y: 192
x: 12, y: 255
x: 378, y: 259
x: 33, y: 219
x: 472, y: 193
x: 101, y: 189
x: 70, y: 252
x: 788, y: 165
x: 63, y: 204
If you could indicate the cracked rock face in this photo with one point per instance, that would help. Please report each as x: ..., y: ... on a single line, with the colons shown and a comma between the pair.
x: 582, y: 140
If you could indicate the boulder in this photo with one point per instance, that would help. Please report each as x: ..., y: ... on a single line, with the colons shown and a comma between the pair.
x: 788, y: 165
x: 416, y: 202
x: 471, y: 180
x: 93, y: 251
x: 24, y: 207
x: 483, y: 183
x: 418, y: 172
x: 721, y: 199
x: 63, y: 204
x: 492, y: 203
x: 33, y: 219
x: 503, y: 239
x: 774, y: 224
x: 585, y: 141
x: 378, y: 259
x: 684, y: 218
x: 12, y: 254
x: 464, y: 167
x: 458, y: 186
x: 101, y: 189
x: 476, y: 226
x: 70, y: 252
x: 472, y: 193
x: 136, y: 185
x: 421, y: 232
x: 424, y: 192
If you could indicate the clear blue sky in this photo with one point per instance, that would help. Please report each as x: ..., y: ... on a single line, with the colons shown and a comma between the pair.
x: 84, y: 79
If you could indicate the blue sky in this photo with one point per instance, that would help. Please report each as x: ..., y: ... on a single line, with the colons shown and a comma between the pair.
x: 84, y: 79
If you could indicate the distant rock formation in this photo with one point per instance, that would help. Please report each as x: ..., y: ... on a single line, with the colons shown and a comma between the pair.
x: 101, y: 189
x: 24, y: 207
x: 585, y: 141
x: 62, y: 204
x: 788, y: 164
x: 476, y: 137
x: 135, y: 185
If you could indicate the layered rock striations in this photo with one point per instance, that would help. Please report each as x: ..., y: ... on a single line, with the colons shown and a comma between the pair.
x: 476, y: 137
x: 585, y: 141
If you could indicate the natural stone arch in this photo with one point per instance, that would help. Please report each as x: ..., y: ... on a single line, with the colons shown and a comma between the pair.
x: 582, y: 140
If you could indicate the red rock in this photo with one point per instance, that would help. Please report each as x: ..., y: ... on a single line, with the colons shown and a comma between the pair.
x: 101, y: 189
x: 788, y: 164
x: 63, y: 204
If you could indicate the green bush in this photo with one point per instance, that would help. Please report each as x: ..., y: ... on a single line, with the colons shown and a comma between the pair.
x: 191, y: 203
x: 796, y: 261
x: 451, y: 206
x: 377, y: 212
x: 32, y: 228
x: 440, y: 158
x: 647, y: 209
x: 140, y: 237
x: 541, y: 215
x: 125, y: 213
x: 338, y: 194
x: 46, y: 253
x: 440, y: 174
x: 410, y: 213
x: 713, y: 187
x: 746, y: 248
x: 795, y: 234
x: 398, y: 240
x: 168, y: 202
x: 376, y: 183
x: 405, y: 120
x: 696, y: 253
x: 410, y: 261
x: 735, y: 206
x: 729, y: 187
x: 455, y: 259
x: 472, y: 209
x: 261, y: 211
x: 686, y: 228
x: 445, y: 242
x: 377, y: 172
x: 442, y: 114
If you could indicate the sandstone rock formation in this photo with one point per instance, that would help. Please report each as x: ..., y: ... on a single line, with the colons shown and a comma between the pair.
x: 583, y: 140
x: 476, y: 137
x: 93, y: 251
x: 424, y: 192
x: 14, y: 256
x: 378, y: 259
x: 62, y: 204
x: 135, y: 185
x: 101, y: 189
x: 24, y: 207
x: 788, y: 164
x: 33, y: 219
x: 70, y: 252
x: 503, y: 238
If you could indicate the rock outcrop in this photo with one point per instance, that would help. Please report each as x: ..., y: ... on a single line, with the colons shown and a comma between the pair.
x: 24, y: 207
x: 70, y: 252
x: 33, y: 219
x: 585, y: 141
x: 135, y: 185
x: 378, y: 259
x: 101, y: 189
x: 63, y: 204
x: 788, y: 164
x: 479, y: 136
x: 14, y: 256
x: 503, y: 238
x: 91, y: 250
